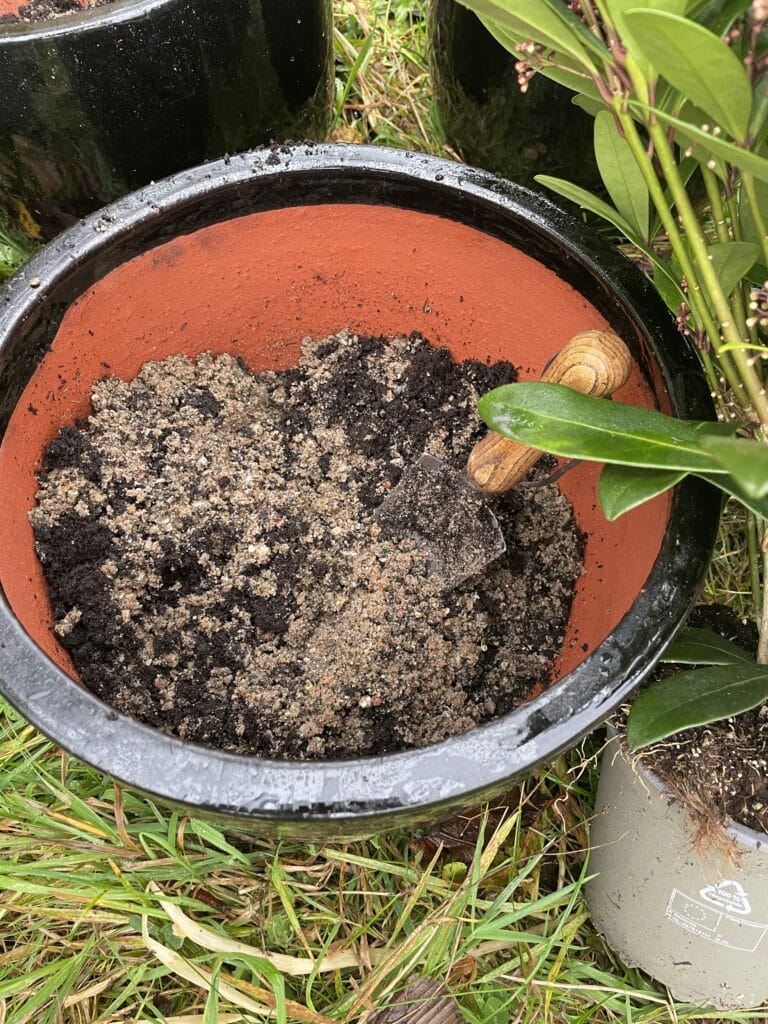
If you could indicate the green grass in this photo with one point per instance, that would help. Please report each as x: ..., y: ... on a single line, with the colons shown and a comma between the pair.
x: 114, y: 910
x: 16, y: 246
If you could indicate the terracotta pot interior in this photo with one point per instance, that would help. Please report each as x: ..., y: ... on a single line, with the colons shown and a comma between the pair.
x: 255, y: 287
x: 14, y: 6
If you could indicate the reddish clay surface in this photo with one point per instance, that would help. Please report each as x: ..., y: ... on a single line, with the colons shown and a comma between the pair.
x: 255, y: 287
x: 12, y: 6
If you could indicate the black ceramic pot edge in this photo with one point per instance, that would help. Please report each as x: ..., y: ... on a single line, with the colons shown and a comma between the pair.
x: 76, y: 22
x: 356, y: 797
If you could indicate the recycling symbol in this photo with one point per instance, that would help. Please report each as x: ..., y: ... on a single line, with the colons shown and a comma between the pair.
x: 728, y: 895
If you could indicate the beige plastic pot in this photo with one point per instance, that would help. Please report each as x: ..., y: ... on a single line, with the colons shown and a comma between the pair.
x: 693, y: 914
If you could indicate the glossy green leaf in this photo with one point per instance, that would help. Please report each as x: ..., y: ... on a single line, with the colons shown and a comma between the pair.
x: 723, y: 15
x: 726, y: 483
x: 618, y: 9
x: 667, y: 286
x: 587, y: 201
x: 704, y: 647
x: 732, y: 261
x: 578, y: 82
x: 710, y: 145
x: 758, y: 125
x: 746, y: 461
x: 698, y: 63
x: 560, y: 420
x: 575, y: 24
x: 622, y: 488
x: 621, y: 174
x: 531, y: 19
x: 568, y: 72
x: 693, y: 698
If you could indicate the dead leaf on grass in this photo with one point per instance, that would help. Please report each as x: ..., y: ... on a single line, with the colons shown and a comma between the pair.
x: 425, y: 1001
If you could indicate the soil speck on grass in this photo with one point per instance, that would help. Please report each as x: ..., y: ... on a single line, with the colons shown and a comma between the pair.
x: 216, y: 571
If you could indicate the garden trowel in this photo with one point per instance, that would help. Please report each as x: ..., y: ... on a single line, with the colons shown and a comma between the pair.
x: 446, y: 512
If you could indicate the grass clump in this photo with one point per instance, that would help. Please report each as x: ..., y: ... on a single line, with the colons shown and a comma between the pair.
x: 116, y: 910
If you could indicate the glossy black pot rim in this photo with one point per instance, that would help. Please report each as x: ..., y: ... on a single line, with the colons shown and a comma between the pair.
x: 77, y: 22
x: 370, y: 792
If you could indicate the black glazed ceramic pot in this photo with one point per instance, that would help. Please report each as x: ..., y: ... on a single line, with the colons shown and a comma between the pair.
x: 486, y: 117
x: 249, y: 256
x: 98, y: 103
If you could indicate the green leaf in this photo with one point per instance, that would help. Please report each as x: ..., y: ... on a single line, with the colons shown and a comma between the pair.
x: 698, y: 63
x: 758, y: 125
x: 711, y: 145
x: 587, y: 201
x: 560, y: 420
x: 732, y: 261
x: 704, y: 647
x: 667, y: 285
x: 213, y: 837
x: 568, y: 72
x: 622, y: 488
x: 577, y: 81
x: 693, y: 698
x: 726, y: 483
x: 723, y: 15
x: 211, y: 1014
x: 522, y: 20
x: 746, y: 461
x: 621, y: 174
x: 617, y: 10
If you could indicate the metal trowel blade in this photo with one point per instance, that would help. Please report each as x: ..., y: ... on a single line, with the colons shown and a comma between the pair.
x: 438, y: 507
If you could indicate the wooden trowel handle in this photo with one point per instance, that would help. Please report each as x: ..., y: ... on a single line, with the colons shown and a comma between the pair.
x: 593, y: 362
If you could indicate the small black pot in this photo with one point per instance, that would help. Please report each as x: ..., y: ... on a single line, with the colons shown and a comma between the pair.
x: 96, y: 104
x: 486, y: 117
x: 249, y: 256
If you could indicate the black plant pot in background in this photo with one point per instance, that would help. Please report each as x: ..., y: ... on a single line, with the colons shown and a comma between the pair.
x: 98, y: 103
x: 486, y: 117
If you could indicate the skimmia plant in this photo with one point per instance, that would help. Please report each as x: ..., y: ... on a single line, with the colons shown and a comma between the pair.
x: 679, y: 93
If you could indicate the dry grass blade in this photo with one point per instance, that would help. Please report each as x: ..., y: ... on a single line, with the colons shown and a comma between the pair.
x: 294, y: 966
x: 199, y: 976
x: 92, y: 990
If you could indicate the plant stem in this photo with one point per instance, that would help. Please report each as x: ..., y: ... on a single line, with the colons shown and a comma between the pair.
x: 752, y: 526
x: 733, y: 214
x: 723, y: 235
x: 750, y: 381
x: 698, y: 304
x: 748, y: 182
x: 762, y: 647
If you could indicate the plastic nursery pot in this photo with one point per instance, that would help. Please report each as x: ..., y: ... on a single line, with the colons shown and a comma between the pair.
x: 690, y: 910
x: 252, y: 255
x: 489, y: 120
x: 102, y: 101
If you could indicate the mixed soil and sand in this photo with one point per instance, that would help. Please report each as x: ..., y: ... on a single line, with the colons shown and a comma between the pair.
x: 216, y: 571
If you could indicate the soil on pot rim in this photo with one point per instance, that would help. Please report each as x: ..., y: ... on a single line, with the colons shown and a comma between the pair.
x: 216, y: 572
x: 719, y: 770
x: 43, y: 10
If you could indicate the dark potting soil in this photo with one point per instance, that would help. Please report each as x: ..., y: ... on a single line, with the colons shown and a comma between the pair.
x: 216, y: 570
x: 719, y: 769
x: 42, y: 10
